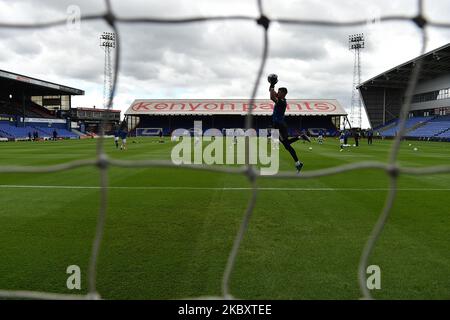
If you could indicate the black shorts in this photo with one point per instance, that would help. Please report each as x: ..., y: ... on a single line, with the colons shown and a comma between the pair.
x: 283, y: 129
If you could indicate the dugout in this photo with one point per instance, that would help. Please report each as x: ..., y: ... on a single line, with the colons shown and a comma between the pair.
x: 146, y: 117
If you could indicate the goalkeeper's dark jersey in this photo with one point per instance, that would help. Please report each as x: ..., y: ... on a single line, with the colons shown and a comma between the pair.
x: 278, y: 111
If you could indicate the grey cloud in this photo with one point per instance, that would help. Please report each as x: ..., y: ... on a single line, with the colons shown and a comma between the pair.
x: 24, y: 46
x: 58, y: 8
x: 215, y: 59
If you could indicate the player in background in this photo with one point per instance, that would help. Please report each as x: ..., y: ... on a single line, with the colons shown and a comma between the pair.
x: 369, y: 137
x: 123, y: 135
x: 160, y: 133
x: 116, y: 137
x: 342, y: 140
x: 279, y: 111
x: 320, y: 139
x: 356, y: 136
x: 304, y: 136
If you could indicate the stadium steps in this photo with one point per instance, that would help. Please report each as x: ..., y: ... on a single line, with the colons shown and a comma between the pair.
x: 387, y: 127
x: 410, y: 123
x: 434, y: 128
x: 7, y: 109
x: 418, y: 125
x: 5, y: 134
x: 78, y: 132
x: 42, y: 133
x: 62, y: 133
x: 41, y: 111
x: 443, y: 132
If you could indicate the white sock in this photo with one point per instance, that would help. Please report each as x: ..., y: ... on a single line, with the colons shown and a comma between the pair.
x: 297, y: 163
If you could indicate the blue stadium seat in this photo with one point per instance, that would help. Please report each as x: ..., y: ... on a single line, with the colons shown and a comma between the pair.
x: 10, y: 131
x: 411, y: 122
x: 434, y: 128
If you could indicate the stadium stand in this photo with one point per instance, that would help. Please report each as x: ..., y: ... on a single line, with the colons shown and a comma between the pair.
x: 436, y: 127
x: 29, y: 105
x: 21, y: 133
x: 5, y: 134
x: 444, y: 136
x: 421, y: 128
x: 311, y: 115
x: 31, y: 110
x: 387, y: 125
x: 62, y: 133
x: 40, y: 111
x: 13, y: 132
x: 312, y: 124
x: 9, y: 130
x: 391, y: 130
x: 7, y: 109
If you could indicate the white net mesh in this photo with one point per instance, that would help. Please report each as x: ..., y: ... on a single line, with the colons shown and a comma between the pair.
x: 103, y: 162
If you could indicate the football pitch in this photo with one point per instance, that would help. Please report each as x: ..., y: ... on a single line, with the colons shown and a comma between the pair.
x: 169, y: 231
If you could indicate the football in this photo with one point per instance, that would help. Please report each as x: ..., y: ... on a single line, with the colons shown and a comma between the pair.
x: 272, y: 78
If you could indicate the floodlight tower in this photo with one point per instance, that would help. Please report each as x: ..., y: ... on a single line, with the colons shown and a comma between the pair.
x: 108, y: 43
x: 356, y: 43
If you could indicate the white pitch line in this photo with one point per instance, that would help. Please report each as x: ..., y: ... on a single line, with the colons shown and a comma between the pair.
x: 217, y: 188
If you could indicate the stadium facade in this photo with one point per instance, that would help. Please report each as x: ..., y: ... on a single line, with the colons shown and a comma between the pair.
x: 171, y: 114
x: 429, y: 117
x: 89, y: 119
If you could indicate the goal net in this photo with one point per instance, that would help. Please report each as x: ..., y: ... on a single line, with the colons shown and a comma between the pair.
x: 103, y: 163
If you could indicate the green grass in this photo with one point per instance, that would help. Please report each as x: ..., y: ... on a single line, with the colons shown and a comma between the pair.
x: 172, y: 243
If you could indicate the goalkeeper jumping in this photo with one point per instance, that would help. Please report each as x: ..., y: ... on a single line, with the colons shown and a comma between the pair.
x: 278, y: 119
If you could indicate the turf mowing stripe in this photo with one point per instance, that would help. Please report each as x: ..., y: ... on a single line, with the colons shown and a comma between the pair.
x: 219, y: 189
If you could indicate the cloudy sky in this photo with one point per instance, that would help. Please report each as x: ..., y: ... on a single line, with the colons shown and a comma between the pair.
x: 212, y: 59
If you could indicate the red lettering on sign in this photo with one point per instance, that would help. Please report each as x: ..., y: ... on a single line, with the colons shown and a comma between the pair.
x: 266, y: 106
x: 231, y: 105
x: 207, y: 106
x: 194, y: 107
x: 161, y: 106
x: 248, y: 106
x: 23, y: 79
x: 296, y: 106
x: 308, y: 107
x: 217, y: 107
x: 324, y: 106
x: 180, y: 106
x: 141, y: 106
